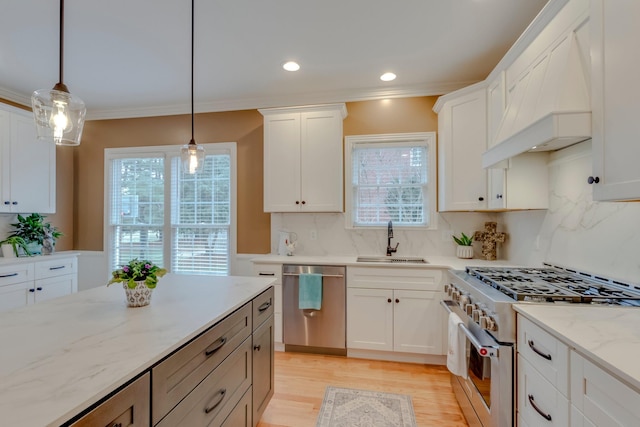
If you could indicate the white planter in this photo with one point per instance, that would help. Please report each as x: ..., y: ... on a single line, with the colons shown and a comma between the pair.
x: 7, y: 251
x: 464, y: 252
x: 138, y: 296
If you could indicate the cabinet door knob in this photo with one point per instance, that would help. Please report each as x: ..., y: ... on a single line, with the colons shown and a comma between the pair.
x: 481, y: 199
x: 304, y: 203
x: 39, y: 288
x: 498, y: 196
x: 14, y: 203
x: 389, y: 300
x: 6, y: 202
x: 593, y: 180
x: 297, y: 202
x: 256, y: 347
x: 32, y: 290
x: 397, y: 300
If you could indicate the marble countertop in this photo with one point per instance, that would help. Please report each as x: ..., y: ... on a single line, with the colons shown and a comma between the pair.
x: 439, y: 262
x: 61, y: 356
x: 608, y: 336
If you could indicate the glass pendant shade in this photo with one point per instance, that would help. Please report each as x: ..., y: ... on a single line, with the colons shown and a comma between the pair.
x: 59, y: 115
x: 192, y: 156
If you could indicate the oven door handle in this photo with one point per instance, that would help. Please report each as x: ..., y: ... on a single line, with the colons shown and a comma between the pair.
x: 483, y: 350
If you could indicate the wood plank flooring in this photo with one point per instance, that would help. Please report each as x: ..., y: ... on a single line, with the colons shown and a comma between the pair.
x: 301, y: 379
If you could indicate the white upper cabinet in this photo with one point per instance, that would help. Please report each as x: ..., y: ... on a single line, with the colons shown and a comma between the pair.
x: 303, y: 159
x: 28, y: 177
x: 462, y: 132
x: 615, y: 60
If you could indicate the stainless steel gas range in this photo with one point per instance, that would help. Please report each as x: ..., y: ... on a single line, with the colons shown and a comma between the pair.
x: 482, y: 297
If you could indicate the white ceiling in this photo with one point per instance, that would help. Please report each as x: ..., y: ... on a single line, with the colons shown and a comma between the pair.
x: 131, y: 58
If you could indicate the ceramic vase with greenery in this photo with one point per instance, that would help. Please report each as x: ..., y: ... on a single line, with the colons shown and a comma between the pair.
x: 138, y: 278
x: 36, y: 233
x: 464, y: 249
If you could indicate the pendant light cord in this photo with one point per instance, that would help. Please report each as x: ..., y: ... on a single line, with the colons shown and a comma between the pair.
x: 192, y: 55
x: 61, y: 38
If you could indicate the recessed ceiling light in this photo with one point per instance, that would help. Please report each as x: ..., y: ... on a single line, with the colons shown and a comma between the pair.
x: 291, y: 66
x: 387, y: 77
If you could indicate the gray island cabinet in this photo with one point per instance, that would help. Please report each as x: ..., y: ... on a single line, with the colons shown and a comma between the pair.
x: 200, y: 354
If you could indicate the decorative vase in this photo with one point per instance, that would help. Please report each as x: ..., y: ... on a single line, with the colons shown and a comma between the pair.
x: 138, y: 296
x: 35, y: 248
x: 7, y: 251
x: 464, y: 252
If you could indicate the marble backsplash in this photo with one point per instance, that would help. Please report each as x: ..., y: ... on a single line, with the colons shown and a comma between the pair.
x: 596, y: 237
x: 332, y: 238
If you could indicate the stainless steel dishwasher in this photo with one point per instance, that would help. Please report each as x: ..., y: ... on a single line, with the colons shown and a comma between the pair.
x: 309, y: 330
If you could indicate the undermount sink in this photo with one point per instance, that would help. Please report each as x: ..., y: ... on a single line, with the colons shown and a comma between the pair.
x: 392, y: 260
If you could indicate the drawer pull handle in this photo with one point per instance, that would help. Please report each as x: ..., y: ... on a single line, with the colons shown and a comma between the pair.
x: 542, y: 414
x: 8, y: 275
x: 266, y: 274
x: 264, y: 306
x: 538, y: 352
x: 256, y: 347
x: 57, y: 268
x: 217, y: 346
x: 117, y: 425
x: 219, y: 400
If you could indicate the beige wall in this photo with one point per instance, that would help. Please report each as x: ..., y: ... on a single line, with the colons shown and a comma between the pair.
x: 243, y: 127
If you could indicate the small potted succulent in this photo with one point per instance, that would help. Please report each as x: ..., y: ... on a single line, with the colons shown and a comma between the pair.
x: 139, y: 278
x: 464, y: 249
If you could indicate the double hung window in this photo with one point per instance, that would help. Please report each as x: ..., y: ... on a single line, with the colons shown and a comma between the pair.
x: 391, y: 178
x: 154, y: 211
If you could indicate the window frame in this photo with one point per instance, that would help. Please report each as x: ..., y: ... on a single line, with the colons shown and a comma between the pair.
x: 426, y: 139
x: 169, y: 152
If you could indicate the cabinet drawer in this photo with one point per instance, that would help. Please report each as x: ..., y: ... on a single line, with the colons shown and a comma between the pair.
x: 545, y: 352
x: 241, y: 414
x: 56, y: 267
x: 539, y: 403
x: 216, y: 396
x: 17, y: 273
x: 263, y: 306
x: 175, y: 377
x: 416, y: 279
x: 128, y: 408
x: 269, y: 270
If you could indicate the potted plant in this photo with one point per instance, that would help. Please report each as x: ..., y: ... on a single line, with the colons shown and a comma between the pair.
x: 139, y: 278
x: 12, y: 245
x: 36, y: 233
x: 464, y: 249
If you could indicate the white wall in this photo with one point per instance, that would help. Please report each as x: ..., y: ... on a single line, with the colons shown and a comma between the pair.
x: 597, y: 237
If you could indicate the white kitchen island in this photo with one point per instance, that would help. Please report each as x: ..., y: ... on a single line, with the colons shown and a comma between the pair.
x: 63, y: 356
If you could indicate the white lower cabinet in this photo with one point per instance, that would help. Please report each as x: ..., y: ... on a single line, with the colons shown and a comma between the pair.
x: 395, y: 310
x: 600, y: 399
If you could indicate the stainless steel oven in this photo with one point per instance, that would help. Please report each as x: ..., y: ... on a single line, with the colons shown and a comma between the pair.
x: 486, y: 396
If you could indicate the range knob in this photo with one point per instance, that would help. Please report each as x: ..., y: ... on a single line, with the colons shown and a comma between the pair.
x: 464, y: 300
x: 450, y: 289
x: 476, y: 314
x: 469, y: 308
x: 487, y: 322
x: 455, y: 295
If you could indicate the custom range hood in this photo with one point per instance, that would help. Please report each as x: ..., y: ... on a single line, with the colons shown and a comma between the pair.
x: 549, y: 106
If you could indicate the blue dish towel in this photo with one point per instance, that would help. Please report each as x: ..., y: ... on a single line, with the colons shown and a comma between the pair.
x: 310, y: 291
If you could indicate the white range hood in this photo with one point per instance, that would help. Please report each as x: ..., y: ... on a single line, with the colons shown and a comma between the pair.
x: 549, y: 106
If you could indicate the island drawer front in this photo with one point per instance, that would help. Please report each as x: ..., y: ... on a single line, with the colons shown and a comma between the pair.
x: 181, y: 372
x: 545, y: 352
x: 241, y: 414
x: 56, y: 267
x: 17, y: 273
x: 263, y: 306
x: 211, y: 402
x: 127, y: 408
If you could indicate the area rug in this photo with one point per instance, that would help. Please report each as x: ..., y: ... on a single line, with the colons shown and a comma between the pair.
x: 345, y: 407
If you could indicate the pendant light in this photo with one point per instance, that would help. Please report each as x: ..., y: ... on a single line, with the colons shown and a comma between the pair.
x: 59, y: 115
x: 192, y: 154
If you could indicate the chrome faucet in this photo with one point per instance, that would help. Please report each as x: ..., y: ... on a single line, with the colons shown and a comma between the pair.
x: 390, y: 249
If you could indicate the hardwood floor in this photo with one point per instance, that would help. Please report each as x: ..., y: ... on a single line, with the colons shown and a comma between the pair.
x: 301, y: 379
